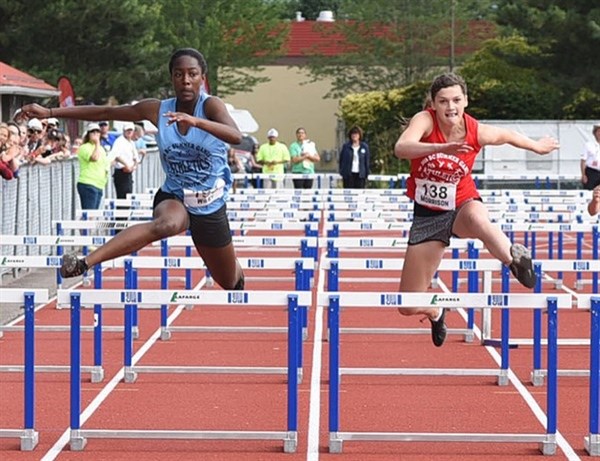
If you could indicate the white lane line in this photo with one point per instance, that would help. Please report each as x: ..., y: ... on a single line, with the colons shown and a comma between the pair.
x: 520, y: 387
x: 314, y: 413
x: 60, y: 444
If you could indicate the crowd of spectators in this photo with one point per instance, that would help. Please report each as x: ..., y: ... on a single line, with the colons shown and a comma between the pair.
x: 33, y: 142
x: 43, y: 141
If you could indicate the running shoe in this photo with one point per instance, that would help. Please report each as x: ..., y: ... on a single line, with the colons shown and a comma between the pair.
x: 438, y: 329
x: 522, y: 266
x: 240, y: 284
x: 72, y: 266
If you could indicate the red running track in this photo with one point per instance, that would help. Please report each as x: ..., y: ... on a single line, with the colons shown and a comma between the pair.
x: 222, y: 402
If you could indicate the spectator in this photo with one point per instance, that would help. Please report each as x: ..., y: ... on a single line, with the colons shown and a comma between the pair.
x: 94, y: 166
x: 355, y: 158
x: 140, y: 142
x: 590, y: 161
x: 34, y: 137
x: 5, y: 170
x: 52, y: 123
x: 13, y: 154
x: 106, y: 138
x: 126, y: 159
x: 235, y: 165
x: 304, y: 154
x: 273, y: 156
x: 253, y: 166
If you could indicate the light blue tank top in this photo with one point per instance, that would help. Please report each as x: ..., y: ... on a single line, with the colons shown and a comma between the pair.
x: 195, y: 164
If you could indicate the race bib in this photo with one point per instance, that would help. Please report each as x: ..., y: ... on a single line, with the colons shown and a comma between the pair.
x: 438, y: 195
x: 195, y: 199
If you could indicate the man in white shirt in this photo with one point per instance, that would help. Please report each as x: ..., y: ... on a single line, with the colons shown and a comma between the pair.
x: 590, y: 161
x: 126, y: 158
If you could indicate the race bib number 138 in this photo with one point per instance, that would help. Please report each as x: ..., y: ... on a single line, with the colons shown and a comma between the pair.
x: 441, y: 196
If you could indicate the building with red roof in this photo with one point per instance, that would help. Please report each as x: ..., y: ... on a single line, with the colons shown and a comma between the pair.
x: 18, y: 87
x: 291, y: 100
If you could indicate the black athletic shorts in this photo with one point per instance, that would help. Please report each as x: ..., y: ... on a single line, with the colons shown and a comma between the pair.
x: 211, y: 230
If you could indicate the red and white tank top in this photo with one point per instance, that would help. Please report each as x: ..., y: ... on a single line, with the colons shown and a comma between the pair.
x: 442, y: 181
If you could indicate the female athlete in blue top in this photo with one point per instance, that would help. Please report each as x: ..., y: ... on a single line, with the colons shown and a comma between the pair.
x: 193, y: 129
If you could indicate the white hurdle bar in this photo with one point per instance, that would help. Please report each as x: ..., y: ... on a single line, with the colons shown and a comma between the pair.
x: 337, y: 301
x: 333, y: 266
x: 29, y: 297
x: 302, y: 268
x: 592, y: 441
x: 233, y: 299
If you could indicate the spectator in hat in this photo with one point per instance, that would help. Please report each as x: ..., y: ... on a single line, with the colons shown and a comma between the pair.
x: 35, y: 138
x: 125, y: 157
x: 590, y: 161
x: 273, y: 156
x: 106, y: 138
x: 94, y: 166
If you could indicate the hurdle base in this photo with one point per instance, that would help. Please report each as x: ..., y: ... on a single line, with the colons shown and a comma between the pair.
x: 592, y: 444
x: 503, y: 378
x: 165, y: 334
x: 77, y: 442
x: 548, y: 446
x: 129, y: 376
x: 537, y: 378
x: 469, y: 337
x: 290, y: 443
x: 336, y: 444
x: 29, y: 439
x: 97, y: 374
x: 547, y: 441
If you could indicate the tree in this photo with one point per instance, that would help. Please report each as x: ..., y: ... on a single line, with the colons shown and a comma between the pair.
x: 505, y: 82
x: 390, y: 43
x: 566, y: 31
x: 235, y: 36
x: 121, y: 48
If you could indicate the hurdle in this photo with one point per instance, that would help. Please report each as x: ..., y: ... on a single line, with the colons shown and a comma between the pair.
x: 337, y: 301
x: 302, y: 268
x: 235, y: 299
x: 30, y: 297
x: 592, y: 441
x: 334, y: 266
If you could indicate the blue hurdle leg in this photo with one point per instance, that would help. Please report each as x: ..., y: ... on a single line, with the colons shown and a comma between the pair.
x: 592, y: 442
x: 97, y: 372
x: 76, y: 442
x: 294, y: 344
x: 548, y: 447
x: 333, y: 323
x: 30, y: 438
x: 537, y: 377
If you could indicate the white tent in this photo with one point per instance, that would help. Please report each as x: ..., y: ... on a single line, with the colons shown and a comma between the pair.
x: 243, y: 118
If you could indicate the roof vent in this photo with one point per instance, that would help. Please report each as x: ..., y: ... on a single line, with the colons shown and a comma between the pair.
x: 299, y: 17
x: 325, y: 16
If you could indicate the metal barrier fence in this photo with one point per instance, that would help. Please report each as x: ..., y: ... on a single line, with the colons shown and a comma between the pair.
x: 44, y: 193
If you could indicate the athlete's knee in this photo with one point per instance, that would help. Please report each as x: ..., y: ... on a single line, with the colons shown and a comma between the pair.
x: 408, y: 310
x: 166, y: 226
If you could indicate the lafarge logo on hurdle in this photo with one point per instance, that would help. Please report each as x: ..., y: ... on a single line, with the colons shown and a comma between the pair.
x: 8, y: 260
x: 179, y: 297
x: 435, y: 299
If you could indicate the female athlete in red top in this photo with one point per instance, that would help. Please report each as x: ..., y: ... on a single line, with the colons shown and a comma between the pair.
x: 442, y: 142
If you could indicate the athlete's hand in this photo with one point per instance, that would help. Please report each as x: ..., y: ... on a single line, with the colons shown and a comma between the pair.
x: 30, y: 111
x: 457, y: 148
x: 546, y: 145
x: 186, y: 120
